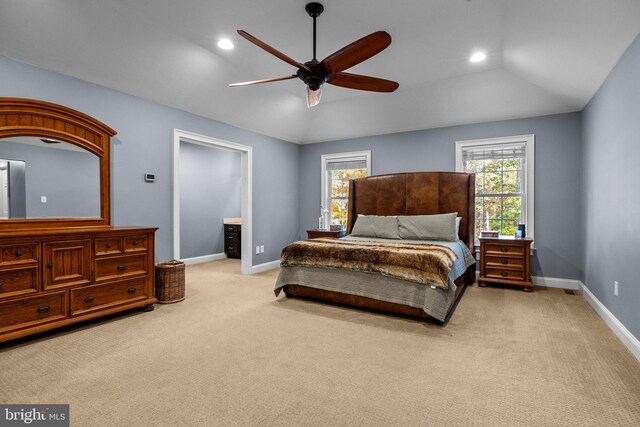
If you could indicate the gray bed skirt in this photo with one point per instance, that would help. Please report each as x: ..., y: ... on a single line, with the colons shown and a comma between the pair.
x: 434, y: 301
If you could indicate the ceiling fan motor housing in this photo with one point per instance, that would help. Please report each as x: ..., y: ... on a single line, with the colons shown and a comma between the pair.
x: 316, y: 78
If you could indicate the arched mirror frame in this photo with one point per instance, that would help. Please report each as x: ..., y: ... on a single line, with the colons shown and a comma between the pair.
x: 28, y: 117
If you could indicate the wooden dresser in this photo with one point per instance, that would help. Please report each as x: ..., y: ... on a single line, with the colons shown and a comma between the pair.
x: 52, y: 278
x: 232, y: 239
x: 506, y: 261
x: 63, y: 266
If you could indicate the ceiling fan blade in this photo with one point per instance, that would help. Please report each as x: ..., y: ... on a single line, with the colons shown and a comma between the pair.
x: 313, y: 97
x: 255, y: 82
x: 356, y: 81
x: 272, y: 50
x: 358, y: 51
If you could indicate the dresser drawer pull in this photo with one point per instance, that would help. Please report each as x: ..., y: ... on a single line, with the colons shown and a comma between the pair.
x: 504, y: 273
x: 504, y: 261
x: 503, y: 249
x: 135, y: 243
x: 50, y: 265
x: 1, y: 285
x: 122, y: 267
x: 132, y: 290
x: 89, y: 299
x: 108, y: 245
x: 18, y: 253
x: 43, y: 309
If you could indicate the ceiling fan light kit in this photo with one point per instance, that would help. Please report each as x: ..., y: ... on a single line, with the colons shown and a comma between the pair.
x: 315, y: 73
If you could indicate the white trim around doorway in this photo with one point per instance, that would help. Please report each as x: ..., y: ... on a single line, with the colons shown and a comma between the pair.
x: 247, y: 190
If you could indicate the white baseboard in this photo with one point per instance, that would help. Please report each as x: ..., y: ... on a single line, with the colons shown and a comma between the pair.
x: 627, y: 338
x: 204, y: 258
x: 265, y: 267
x: 554, y: 282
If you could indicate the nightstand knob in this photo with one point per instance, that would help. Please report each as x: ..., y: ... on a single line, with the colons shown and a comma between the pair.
x: 18, y: 253
x: 503, y: 249
x: 504, y: 261
x: 43, y: 309
x: 132, y: 290
x: 89, y: 299
x: 108, y: 245
x: 504, y: 273
x: 135, y: 243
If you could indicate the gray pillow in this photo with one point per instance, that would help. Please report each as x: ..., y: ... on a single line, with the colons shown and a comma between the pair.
x: 428, y: 227
x: 385, y: 227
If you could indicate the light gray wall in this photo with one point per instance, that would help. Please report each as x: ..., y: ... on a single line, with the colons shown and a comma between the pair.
x: 210, y: 190
x: 69, y: 179
x: 612, y: 190
x: 143, y: 144
x: 557, y: 177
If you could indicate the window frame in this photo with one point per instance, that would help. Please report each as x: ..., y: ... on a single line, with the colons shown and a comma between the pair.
x: 324, y: 181
x: 529, y: 194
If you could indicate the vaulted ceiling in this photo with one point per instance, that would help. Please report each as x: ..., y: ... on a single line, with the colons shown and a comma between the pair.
x: 544, y: 57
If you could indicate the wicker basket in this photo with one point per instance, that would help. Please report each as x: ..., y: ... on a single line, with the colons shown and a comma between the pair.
x: 170, y: 282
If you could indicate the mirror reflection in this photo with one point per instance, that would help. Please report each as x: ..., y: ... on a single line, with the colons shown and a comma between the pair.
x: 45, y: 178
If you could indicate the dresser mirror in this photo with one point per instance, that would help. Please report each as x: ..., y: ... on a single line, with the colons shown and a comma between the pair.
x: 54, y: 166
x: 45, y: 178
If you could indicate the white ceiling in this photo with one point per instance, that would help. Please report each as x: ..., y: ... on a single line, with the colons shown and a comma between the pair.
x: 544, y: 57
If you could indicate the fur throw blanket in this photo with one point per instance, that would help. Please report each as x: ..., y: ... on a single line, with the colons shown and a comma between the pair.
x: 428, y: 264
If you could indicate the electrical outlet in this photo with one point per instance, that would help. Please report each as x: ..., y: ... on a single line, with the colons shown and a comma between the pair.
x: 615, y: 288
x: 261, y: 249
x: 43, y: 199
x: 257, y: 250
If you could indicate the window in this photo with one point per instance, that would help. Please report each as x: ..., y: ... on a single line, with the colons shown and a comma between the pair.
x: 337, y: 170
x: 504, y: 181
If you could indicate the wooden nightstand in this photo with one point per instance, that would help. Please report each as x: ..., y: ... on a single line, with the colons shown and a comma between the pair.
x: 506, y: 260
x: 314, y: 234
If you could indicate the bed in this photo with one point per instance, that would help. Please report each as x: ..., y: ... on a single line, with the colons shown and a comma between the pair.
x: 404, y: 194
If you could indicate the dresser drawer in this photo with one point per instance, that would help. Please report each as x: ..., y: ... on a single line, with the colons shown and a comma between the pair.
x: 504, y: 249
x: 497, y: 273
x: 30, y: 311
x: 110, y: 246
x: 18, y: 254
x: 135, y: 244
x: 230, y: 248
x: 231, y: 237
x: 18, y: 281
x: 494, y: 261
x: 231, y: 228
x: 121, y: 266
x: 99, y: 297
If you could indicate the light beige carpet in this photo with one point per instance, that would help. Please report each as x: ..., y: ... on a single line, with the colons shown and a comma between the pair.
x: 233, y: 354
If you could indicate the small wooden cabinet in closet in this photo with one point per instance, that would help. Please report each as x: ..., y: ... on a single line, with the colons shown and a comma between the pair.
x: 232, y: 239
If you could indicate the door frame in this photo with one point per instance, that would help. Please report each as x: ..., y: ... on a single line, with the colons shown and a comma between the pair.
x: 246, y: 153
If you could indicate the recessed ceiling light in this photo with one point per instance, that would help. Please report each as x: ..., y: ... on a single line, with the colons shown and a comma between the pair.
x: 225, y: 44
x: 478, y: 57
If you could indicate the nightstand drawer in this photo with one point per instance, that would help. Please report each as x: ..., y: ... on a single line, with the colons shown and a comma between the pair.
x: 504, y: 249
x: 497, y: 273
x: 499, y: 262
x: 231, y: 248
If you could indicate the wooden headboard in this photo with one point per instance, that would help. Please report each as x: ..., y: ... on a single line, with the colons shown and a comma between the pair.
x: 415, y: 193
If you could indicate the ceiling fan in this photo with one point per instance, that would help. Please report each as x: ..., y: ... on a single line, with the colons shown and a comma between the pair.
x: 315, y: 73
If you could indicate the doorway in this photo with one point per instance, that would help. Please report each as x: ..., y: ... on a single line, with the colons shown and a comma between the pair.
x: 246, y: 160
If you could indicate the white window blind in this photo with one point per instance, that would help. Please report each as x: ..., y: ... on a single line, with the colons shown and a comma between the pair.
x: 503, y: 169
